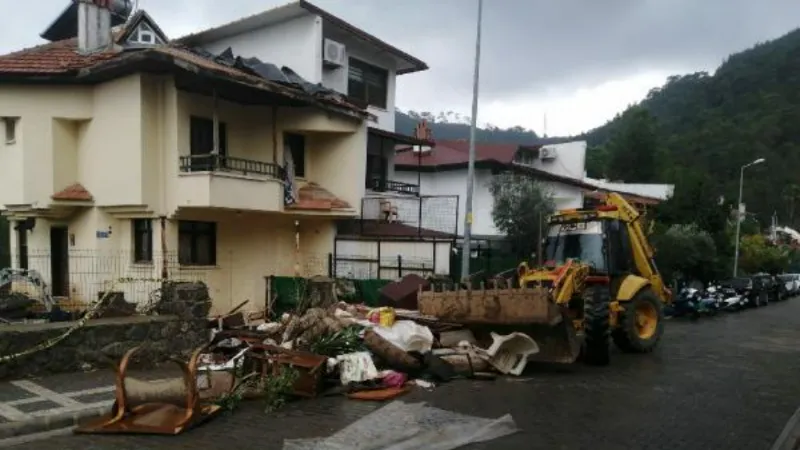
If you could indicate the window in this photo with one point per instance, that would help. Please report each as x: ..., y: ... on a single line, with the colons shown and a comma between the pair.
x: 144, y: 34
x: 368, y: 83
x: 197, y: 243
x: 10, y: 126
x: 143, y: 241
x: 377, y: 172
x: 22, y: 247
x: 201, y: 143
x: 296, y: 143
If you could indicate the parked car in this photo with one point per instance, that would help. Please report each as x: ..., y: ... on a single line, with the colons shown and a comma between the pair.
x: 790, y: 284
x: 766, y: 288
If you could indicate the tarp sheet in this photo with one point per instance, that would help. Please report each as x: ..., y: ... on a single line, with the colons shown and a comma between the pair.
x: 410, y: 426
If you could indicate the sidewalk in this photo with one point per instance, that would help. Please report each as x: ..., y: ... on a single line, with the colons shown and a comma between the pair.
x: 60, y: 401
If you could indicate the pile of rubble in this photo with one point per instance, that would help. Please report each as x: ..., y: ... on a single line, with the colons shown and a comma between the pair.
x: 324, y: 347
x: 362, y: 352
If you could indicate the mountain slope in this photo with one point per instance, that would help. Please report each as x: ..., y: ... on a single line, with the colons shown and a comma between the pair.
x: 450, y: 126
x: 711, y: 125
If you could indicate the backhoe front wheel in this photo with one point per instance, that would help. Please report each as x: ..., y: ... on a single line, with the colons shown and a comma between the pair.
x: 641, y: 323
x: 596, y: 327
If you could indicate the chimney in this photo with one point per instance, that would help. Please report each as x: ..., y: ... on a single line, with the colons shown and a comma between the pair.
x: 94, y: 25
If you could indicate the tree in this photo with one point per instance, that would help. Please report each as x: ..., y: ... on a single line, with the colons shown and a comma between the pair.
x: 633, y: 151
x: 521, y: 206
x: 758, y: 255
x: 686, y: 252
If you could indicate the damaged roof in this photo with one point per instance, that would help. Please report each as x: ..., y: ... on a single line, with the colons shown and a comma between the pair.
x: 60, y: 62
x: 297, y: 9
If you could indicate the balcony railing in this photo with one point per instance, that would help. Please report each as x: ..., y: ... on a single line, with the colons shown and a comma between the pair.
x: 222, y: 163
x: 379, y: 184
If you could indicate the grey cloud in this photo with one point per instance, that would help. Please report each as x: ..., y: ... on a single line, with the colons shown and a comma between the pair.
x: 529, y: 46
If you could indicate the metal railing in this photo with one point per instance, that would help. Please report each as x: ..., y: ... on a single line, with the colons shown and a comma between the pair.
x: 428, y: 216
x: 379, y: 184
x: 223, y: 163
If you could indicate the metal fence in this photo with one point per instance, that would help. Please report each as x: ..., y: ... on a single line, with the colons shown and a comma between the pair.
x: 83, y: 275
x: 423, y: 217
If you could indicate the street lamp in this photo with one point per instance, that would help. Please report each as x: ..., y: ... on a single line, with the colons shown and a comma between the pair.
x: 739, y: 215
x: 465, y: 248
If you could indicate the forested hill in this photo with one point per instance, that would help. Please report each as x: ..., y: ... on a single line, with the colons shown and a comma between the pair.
x: 699, y: 129
x: 449, y: 126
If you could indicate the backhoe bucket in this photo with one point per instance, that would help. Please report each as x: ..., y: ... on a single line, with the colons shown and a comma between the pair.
x: 557, y: 344
x: 528, y: 310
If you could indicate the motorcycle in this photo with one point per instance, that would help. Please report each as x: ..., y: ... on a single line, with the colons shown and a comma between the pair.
x: 694, y: 303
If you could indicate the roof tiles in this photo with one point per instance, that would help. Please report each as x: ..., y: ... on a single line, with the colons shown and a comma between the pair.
x: 52, y: 58
x: 314, y: 197
x: 73, y: 192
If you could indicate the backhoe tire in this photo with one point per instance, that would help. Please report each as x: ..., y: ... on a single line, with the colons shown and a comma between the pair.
x: 596, y: 349
x: 635, y: 336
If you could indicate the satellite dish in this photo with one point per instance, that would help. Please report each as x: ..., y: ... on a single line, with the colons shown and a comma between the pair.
x: 66, y: 25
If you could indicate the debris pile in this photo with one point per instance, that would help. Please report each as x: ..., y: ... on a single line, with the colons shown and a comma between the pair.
x: 325, y: 347
x: 364, y: 353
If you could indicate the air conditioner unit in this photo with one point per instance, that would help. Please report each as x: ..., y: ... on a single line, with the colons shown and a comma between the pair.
x: 547, y: 153
x: 333, y: 54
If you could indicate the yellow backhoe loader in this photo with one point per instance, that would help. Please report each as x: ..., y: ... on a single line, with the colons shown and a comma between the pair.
x: 599, y: 283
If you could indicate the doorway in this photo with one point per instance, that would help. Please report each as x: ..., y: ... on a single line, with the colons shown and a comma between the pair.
x: 59, y: 261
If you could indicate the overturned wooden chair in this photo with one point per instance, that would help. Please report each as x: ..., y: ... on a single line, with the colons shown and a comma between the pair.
x: 154, y: 407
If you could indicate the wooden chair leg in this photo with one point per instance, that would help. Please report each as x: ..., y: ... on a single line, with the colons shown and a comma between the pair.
x: 121, y: 404
x: 190, y: 378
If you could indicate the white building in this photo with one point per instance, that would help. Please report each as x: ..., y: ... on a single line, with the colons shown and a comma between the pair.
x: 324, y: 49
x: 442, y: 170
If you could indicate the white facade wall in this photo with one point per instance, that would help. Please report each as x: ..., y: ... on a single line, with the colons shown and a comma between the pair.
x: 295, y: 43
x: 298, y: 44
x: 454, y: 182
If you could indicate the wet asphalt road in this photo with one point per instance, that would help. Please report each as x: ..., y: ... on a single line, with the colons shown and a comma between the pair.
x: 729, y: 382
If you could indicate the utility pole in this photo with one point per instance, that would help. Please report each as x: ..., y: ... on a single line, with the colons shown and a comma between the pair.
x: 740, y: 215
x: 465, y: 248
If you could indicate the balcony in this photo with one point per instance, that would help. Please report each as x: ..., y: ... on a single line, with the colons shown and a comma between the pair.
x: 218, y: 181
x: 229, y: 164
x: 380, y: 184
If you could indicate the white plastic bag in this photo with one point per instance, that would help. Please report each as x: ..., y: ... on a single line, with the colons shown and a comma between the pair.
x: 408, y: 336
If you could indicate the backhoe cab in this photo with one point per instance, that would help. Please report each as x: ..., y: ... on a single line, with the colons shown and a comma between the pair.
x: 598, y: 283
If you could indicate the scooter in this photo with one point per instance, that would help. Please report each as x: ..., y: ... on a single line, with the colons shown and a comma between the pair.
x: 734, y: 301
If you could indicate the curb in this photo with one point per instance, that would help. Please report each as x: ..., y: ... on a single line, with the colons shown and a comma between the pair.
x: 50, y: 422
x: 789, y: 438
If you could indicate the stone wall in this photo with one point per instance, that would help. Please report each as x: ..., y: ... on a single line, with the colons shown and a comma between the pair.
x: 99, y: 344
x: 180, y: 327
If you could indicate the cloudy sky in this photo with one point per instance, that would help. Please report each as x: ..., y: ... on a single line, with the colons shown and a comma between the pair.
x: 577, y: 61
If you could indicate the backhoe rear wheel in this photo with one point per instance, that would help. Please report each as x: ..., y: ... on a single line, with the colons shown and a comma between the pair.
x: 641, y: 324
x: 596, y: 326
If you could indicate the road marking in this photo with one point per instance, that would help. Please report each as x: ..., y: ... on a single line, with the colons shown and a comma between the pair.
x: 11, y: 413
x: 65, y: 400
x: 71, y: 394
x: 69, y: 409
x: 45, y: 393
